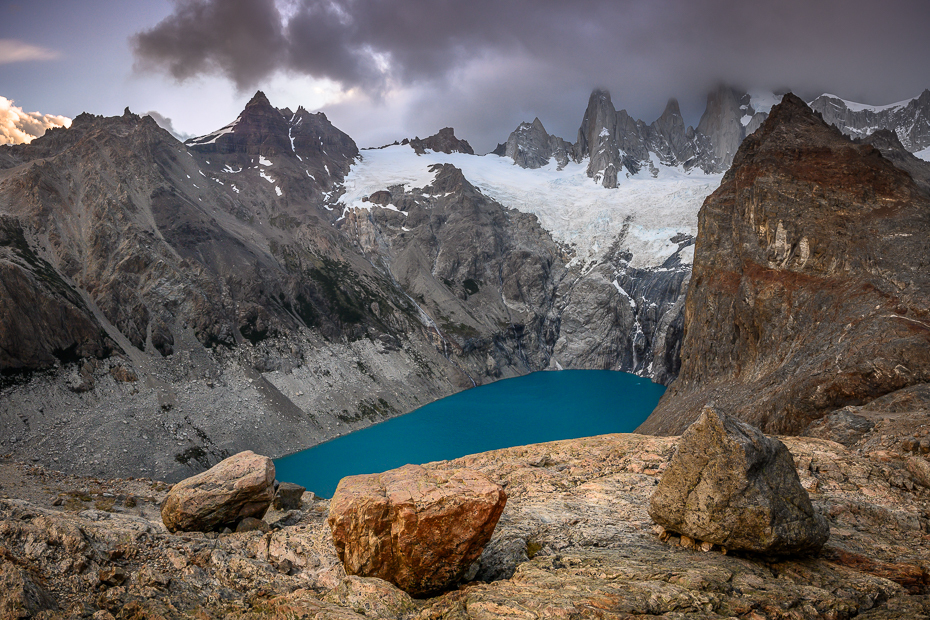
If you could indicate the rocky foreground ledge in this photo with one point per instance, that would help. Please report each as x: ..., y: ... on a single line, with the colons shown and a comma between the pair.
x: 574, y: 541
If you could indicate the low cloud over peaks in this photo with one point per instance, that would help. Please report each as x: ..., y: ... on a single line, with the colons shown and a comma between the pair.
x: 19, y: 127
x: 524, y: 58
x: 240, y: 39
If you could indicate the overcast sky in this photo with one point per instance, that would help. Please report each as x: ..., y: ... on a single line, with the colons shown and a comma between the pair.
x: 387, y: 69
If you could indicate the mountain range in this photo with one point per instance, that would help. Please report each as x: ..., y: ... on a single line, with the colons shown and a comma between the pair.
x: 269, y: 285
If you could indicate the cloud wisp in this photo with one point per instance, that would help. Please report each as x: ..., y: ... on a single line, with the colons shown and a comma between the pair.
x: 20, y: 127
x: 13, y: 50
x: 167, y: 124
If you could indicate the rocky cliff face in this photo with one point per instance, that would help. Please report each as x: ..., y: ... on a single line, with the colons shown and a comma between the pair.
x: 909, y: 120
x: 811, y: 283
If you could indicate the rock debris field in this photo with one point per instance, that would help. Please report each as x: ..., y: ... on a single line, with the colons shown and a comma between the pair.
x: 574, y: 541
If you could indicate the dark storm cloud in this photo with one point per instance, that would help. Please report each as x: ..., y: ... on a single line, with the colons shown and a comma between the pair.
x: 530, y: 57
x: 241, y: 39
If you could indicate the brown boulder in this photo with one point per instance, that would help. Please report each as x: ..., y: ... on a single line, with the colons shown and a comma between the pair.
x: 418, y: 529
x: 233, y: 489
x: 731, y: 485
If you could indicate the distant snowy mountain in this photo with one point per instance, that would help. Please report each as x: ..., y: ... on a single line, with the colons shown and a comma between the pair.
x: 614, y: 145
x: 909, y: 119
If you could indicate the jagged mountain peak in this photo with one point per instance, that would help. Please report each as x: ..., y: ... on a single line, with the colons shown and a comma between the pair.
x: 258, y: 99
x: 671, y: 108
x: 791, y: 120
x: 444, y: 141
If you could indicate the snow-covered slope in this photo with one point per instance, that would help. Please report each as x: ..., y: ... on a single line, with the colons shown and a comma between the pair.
x: 646, y: 212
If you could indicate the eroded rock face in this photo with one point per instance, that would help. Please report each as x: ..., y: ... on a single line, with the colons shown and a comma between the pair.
x: 418, y: 529
x: 811, y: 282
x: 730, y: 485
x: 236, y: 488
x: 20, y: 597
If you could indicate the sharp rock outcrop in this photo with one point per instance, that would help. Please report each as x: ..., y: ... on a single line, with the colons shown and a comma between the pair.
x: 530, y: 146
x: 442, y: 142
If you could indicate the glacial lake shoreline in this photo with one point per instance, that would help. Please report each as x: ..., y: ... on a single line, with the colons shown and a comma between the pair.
x: 536, y: 408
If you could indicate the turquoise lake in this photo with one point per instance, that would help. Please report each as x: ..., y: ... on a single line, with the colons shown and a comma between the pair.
x: 543, y: 406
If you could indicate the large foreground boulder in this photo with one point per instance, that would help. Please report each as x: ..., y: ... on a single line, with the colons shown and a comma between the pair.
x: 731, y: 485
x: 233, y: 489
x: 418, y: 529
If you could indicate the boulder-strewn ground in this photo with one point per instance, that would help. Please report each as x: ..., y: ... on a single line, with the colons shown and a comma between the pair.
x: 574, y: 541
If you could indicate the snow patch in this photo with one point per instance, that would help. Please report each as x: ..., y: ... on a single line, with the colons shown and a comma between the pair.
x: 264, y: 162
x: 210, y: 138
x: 277, y: 190
x: 924, y: 154
x: 625, y: 294
x: 265, y: 176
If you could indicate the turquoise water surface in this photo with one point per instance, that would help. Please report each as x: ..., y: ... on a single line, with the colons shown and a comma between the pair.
x: 543, y: 406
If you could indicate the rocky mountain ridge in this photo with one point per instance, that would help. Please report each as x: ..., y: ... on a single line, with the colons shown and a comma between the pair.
x: 196, y: 300
x: 613, y: 142
x: 909, y: 120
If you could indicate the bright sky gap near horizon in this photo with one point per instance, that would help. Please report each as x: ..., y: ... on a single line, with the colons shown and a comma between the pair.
x: 387, y: 70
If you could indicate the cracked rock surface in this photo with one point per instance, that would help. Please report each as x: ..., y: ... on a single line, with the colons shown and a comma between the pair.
x: 574, y: 541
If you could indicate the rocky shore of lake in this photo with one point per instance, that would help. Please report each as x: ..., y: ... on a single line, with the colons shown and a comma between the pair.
x: 574, y: 541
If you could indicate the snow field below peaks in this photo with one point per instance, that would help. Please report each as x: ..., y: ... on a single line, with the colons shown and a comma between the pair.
x: 647, y: 211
